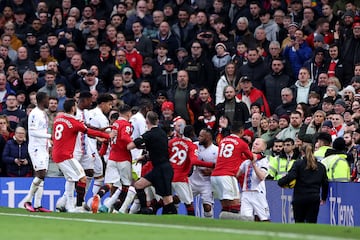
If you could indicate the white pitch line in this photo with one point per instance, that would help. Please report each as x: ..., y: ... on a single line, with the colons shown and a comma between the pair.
x: 184, y: 227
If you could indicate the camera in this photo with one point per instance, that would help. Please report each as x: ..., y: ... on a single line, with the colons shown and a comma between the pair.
x: 88, y: 23
x: 206, y: 35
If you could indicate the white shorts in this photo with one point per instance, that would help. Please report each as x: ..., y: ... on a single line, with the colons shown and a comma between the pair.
x: 98, y: 167
x: 225, y: 187
x: 39, y: 158
x: 118, y: 171
x: 87, y: 161
x: 254, y: 203
x: 183, y: 191
x: 205, y: 192
x: 72, y: 170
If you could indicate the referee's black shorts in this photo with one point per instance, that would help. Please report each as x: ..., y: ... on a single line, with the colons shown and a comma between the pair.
x: 161, y: 178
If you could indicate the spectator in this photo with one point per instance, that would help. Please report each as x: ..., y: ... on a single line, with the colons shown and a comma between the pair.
x: 231, y: 107
x: 199, y: 68
x: 292, y: 130
x: 50, y: 85
x: 288, y: 103
x: 12, y: 112
x: 179, y: 95
x: 16, y: 156
x: 249, y: 95
x: 23, y: 62
x: 255, y: 69
x: 297, y: 52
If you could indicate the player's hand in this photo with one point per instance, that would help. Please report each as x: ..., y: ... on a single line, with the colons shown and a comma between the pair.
x: 100, y: 139
x: 113, y: 134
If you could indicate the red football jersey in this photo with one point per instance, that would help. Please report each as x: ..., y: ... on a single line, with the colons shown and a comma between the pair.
x: 119, y: 152
x: 232, y: 152
x: 65, y: 131
x: 183, y: 154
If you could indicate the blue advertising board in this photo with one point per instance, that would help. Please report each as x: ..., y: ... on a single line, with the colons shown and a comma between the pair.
x: 342, y: 207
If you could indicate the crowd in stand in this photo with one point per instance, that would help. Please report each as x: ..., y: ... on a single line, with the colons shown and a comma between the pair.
x: 289, y: 70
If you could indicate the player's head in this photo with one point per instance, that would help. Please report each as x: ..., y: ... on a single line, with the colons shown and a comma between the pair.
x: 152, y: 118
x: 125, y: 111
x: 258, y: 146
x: 69, y: 106
x: 105, y: 102
x: 237, y: 127
x: 179, y: 125
x: 205, y: 136
x: 85, y: 99
x: 145, y: 106
x: 42, y: 99
x: 189, y: 131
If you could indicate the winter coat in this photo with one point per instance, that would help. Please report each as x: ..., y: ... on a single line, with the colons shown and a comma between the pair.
x: 14, y: 150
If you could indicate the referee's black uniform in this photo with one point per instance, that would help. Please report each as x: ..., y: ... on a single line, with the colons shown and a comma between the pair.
x: 156, y: 143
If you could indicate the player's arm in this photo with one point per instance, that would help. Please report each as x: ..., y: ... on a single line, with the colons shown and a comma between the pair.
x: 242, y: 167
x: 260, y: 171
x: 193, y: 155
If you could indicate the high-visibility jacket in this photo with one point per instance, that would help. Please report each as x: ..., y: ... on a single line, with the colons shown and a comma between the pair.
x: 337, y: 168
x: 279, y: 166
x: 320, y: 153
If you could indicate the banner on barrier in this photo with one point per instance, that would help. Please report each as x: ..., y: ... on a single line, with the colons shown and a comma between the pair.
x: 342, y: 207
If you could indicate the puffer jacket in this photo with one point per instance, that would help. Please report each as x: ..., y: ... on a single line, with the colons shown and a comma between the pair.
x: 14, y: 150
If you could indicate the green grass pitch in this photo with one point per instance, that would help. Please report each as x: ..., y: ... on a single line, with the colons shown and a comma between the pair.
x: 19, y: 224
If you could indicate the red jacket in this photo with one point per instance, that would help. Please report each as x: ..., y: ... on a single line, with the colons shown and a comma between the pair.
x: 257, y: 96
x: 135, y: 60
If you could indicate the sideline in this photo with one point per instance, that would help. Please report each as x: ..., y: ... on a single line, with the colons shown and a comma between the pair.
x: 183, y: 227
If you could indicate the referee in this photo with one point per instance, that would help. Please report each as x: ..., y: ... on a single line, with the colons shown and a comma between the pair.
x: 156, y: 143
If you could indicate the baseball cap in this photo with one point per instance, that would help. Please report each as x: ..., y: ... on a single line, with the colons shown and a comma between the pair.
x: 319, y: 38
x: 244, y: 79
x: 340, y: 102
x: 274, y: 117
x: 327, y: 123
x: 127, y: 70
x: 169, y: 61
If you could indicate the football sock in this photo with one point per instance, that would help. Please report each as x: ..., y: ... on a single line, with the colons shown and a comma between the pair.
x: 235, y: 208
x: 135, y: 207
x: 69, y: 194
x: 33, y: 188
x: 113, y: 198
x: 190, y: 209
x: 208, y: 214
x: 142, y: 197
x: 80, y: 193
x: 103, y: 190
x: 98, y: 182
x: 39, y: 194
x: 128, y: 200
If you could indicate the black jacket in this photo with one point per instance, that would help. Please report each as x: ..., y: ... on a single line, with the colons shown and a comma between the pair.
x: 308, y: 182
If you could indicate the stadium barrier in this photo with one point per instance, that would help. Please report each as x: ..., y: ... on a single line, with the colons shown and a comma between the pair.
x: 342, y: 207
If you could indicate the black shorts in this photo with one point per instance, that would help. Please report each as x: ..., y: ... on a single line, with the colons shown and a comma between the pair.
x: 161, y: 177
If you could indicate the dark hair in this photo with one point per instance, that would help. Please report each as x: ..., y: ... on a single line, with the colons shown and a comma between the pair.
x: 40, y: 97
x: 189, y: 131
x: 68, y: 104
x: 237, y: 126
x: 289, y: 140
x: 54, y: 98
x: 105, y: 97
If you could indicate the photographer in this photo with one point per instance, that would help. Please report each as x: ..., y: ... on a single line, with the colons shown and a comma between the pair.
x: 16, y: 156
